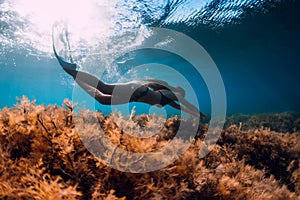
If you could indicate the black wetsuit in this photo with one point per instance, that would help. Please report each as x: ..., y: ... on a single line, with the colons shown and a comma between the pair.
x: 135, y: 97
x: 164, y: 100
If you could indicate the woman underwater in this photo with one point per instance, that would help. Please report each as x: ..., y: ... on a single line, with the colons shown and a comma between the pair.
x: 152, y: 91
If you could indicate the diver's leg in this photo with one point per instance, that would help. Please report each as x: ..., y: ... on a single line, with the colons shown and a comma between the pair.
x: 91, y: 81
x: 96, y: 94
x: 104, y: 99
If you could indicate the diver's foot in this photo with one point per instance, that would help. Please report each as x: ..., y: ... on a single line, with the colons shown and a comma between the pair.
x: 202, y: 116
x: 70, y: 66
x: 65, y: 64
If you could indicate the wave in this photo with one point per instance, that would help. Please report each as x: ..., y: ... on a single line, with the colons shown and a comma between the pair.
x: 216, y: 13
x: 28, y: 26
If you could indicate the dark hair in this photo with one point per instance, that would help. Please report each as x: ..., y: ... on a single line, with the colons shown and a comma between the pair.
x: 179, y: 90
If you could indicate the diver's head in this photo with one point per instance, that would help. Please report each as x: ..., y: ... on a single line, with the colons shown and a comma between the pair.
x: 180, y: 90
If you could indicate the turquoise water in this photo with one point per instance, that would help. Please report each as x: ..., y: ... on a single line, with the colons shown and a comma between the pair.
x: 41, y: 80
x: 254, y: 47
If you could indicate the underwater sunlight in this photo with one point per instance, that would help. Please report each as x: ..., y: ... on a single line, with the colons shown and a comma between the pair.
x: 149, y: 99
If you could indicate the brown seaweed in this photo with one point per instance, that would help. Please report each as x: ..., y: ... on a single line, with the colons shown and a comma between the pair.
x: 43, y: 157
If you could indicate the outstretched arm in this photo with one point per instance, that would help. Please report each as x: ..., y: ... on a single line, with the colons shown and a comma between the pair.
x: 191, y: 107
x: 195, y: 113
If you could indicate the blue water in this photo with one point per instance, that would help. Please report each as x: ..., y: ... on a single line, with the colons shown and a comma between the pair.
x: 254, y: 45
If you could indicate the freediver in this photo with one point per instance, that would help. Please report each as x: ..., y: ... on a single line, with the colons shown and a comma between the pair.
x: 152, y: 91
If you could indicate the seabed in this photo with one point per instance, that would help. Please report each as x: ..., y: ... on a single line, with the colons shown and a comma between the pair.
x: 43, y: 157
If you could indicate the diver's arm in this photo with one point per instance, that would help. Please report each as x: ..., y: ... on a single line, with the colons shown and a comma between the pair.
x: 188, y: 108
x: 192, y: 108
x: 179, y: 107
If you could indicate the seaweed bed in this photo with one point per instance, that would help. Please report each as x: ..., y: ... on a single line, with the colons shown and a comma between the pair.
x: 43, y: 157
